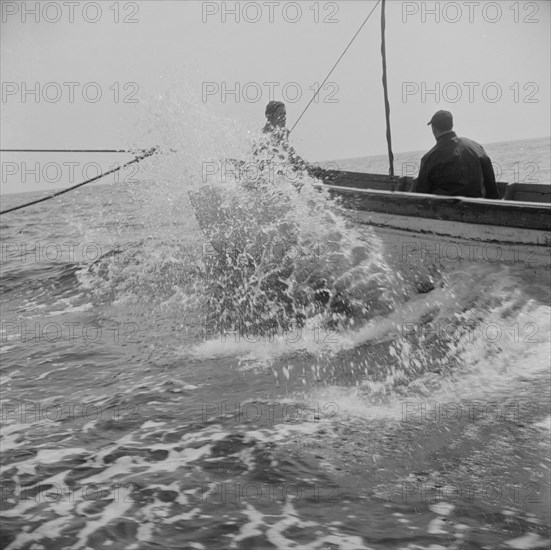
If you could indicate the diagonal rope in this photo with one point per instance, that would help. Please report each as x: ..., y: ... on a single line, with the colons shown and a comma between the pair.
x: 144, y: 154
x: 335, y: 65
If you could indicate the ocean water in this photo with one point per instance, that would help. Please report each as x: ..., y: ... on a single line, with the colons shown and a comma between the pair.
x: 157, y: 394
x: 523, y: 161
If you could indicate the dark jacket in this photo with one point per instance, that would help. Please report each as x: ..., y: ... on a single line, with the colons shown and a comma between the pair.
x: 457, y: 167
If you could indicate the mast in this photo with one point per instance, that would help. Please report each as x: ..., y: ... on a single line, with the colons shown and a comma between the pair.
x: 385, y: 89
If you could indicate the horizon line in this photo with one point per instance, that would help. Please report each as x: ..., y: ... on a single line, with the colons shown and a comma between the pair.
x: 342, y: 159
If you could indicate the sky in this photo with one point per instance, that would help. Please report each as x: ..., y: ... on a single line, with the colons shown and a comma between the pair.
x: 95, y: 66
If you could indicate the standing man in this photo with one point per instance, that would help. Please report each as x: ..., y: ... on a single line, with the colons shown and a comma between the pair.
x: 455, y: 166
x: 275, y: 146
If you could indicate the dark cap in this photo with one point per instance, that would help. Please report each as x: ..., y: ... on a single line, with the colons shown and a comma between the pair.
x: 441, y: 119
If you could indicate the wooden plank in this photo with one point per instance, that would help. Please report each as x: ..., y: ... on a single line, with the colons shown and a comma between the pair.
x: 377, y: 185
x: 510, y: 191
x: 358, y: 180
x: 528, y: 192
x: 477, y: 211
x: 460, y: 244
x: 444, y: 229
x: 482, y: 211
x: 501, y: 186
x: 523, y: 196
x: 542, y: 188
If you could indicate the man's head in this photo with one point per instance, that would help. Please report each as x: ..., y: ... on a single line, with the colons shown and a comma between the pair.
x: 441, y: 122
x: 276, y: 113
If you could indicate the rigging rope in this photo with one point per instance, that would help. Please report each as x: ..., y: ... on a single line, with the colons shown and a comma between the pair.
x: 145, y: 153
x: 66, y: 151
x: 335, y: 66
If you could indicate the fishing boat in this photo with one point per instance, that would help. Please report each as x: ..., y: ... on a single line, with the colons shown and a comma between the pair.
x: 516, y: 228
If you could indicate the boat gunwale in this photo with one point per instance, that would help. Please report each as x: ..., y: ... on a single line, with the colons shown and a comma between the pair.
x: 440, y: 198
x: 476, y: 211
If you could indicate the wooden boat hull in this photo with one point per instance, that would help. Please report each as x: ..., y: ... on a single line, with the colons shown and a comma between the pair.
x: 456, y: 209
x: 453, y: 229
x: 413, y: 241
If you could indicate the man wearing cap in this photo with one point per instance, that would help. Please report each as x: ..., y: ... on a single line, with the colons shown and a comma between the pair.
x: 455, y: 166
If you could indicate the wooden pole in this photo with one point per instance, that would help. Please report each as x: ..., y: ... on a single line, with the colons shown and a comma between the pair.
x: 385, y: 89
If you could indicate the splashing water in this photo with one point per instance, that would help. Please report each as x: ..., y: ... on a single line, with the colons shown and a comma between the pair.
x: 278, y: 250
x: 283, y: 253
x: 182, y: 420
